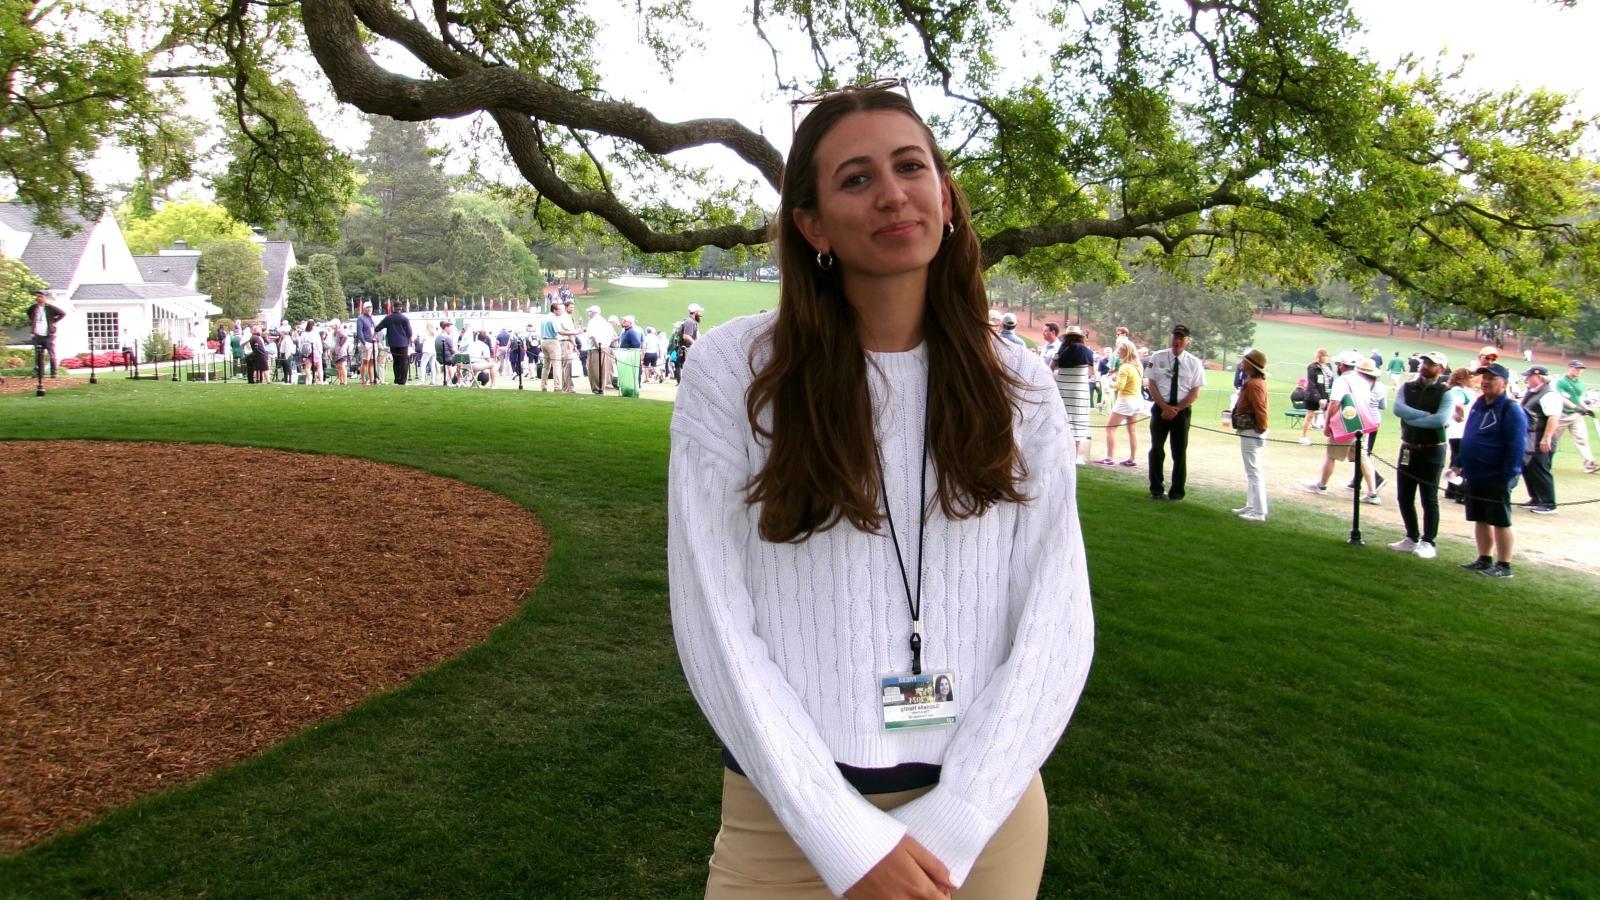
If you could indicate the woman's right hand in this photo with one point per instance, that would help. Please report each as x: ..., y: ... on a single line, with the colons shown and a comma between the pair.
x: 908, y: 872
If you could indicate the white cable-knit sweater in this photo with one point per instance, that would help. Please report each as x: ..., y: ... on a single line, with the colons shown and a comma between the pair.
x: 783, y: 644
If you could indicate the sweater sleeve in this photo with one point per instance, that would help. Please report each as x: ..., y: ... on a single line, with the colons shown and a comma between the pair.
x: 729, y: 666
x: 1010, y: 727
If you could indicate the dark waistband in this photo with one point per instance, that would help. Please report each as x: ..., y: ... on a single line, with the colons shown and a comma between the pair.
x: 1420, y: 446
x: 904, y: 777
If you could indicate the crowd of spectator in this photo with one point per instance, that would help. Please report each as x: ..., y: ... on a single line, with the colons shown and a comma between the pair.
x: 554, y: 350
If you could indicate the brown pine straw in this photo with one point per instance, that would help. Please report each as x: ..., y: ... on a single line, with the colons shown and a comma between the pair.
x: 169, y: 609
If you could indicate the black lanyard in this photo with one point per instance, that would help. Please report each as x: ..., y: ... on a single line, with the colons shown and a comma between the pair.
x: 913, y: 602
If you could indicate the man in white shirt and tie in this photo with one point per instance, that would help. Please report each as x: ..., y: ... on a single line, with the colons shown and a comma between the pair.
x: 1174, y: 378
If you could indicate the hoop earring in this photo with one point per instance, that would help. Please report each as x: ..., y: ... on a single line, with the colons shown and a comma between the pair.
x: 825, y: 261
x: 949, y: 229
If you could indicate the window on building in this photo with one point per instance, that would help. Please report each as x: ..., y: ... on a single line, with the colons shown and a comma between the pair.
x: 102, y: 331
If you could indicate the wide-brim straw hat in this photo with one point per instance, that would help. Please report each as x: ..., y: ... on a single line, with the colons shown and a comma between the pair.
x: 1257, y: 360
x: 1367, y: 367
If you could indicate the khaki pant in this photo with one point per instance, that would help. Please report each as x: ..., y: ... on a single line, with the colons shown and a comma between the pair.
x: 755, y: 858
x: 564, y: 354
x: 599, y: 371
x: 550, y: 355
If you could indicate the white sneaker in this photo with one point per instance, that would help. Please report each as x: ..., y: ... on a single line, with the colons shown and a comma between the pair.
x: 1305, y: 442
x: 1316, y: 487
x: 1253, y: 517
x: 1404, y: 545
x: 1241, y: 510
x: 1372, y: 499
x: 1426, y: 550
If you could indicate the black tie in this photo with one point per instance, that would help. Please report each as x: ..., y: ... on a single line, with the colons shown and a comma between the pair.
x: 1172, y: 398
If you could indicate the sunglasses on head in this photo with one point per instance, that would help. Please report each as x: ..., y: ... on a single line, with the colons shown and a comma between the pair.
x: 815, y: 97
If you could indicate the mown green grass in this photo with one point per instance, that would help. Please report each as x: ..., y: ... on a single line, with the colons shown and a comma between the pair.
x: 660, y: 307
x: 1271, y: 712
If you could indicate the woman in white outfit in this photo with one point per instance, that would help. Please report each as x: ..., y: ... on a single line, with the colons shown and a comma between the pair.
x: 870, y: 492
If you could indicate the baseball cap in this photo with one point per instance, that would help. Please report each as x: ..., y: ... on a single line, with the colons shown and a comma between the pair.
x: 1490, y: 352
x: 1436, y: 358
x: 1535, y: 370
x: 1180, y: 331
x: 1009, y: 320
x: 695, y: 307
x: 1494, y: 369
x: 1348, y: 358
x: 593, y: 309
x: 1576, y: 364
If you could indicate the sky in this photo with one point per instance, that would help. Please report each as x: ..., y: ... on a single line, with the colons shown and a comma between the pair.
x: 1524, y: 43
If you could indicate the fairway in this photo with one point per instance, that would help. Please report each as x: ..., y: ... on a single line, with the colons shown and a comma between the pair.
x: 1271, y: 713
x: 660, y: 307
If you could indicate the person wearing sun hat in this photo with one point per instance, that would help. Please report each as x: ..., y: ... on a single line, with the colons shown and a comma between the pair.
x: 1355, y: 381
x: 1250, y: 421
x: 1425, y: 408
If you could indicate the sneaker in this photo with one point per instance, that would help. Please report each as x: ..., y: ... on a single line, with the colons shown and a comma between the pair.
x: 1591, y: 468
x: 1106, y: 461
x: 1241, y: 510
x: 1372, y: 499
x: 1305, y: 442
x: 1478, y: 565
x: 1404, y: 545
x: 1527, y: 503
x: 1497, y: 570
x: 1543, y: 510
x: 1253, y: 517
x: 1425, y: 550
x: 1316, y: 488
x: 1129, y: 463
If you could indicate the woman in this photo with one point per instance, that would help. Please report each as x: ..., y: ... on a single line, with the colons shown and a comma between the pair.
x: 1128, y: 405
x: 342, y: 345
x: 1464, y: 385
x: 1250, y: 421
x: 287, y: 348
x: 1073, y: 366
x: 804, y: 442
x: 1319, y: 379
x: 942, y: 692
x: 257, y: 360
x: 481, y: 359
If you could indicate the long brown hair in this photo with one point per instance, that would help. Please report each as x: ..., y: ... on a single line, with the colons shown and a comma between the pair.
x: 820, y: 468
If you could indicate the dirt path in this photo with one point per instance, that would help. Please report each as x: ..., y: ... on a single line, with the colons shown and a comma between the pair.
x: 1566, y: 539
x: 170, y: 609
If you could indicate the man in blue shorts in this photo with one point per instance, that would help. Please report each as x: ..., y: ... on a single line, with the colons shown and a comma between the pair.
x: 1491, y: 461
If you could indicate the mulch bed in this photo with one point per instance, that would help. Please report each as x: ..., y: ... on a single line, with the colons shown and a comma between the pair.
x: 169, y: 609
x: 16, y: 384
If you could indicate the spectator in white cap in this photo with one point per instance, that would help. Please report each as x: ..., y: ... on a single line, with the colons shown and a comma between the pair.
x: 1008, y: 330
x: 686, y: 339
x: 597, y: 339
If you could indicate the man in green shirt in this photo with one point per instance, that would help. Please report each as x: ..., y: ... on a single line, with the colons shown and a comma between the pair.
x: 1573, y: 413
x: 1397, y: 369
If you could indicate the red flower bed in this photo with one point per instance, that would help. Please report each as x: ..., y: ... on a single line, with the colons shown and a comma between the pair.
x: 111, y: 358
x: 101, y: 360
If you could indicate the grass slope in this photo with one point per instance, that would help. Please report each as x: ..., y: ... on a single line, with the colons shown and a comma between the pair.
x: 1271, y: 712
x: 723, y: 300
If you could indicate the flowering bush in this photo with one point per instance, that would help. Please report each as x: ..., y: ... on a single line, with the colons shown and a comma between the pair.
x: 101, y: 360
x: 110, y: 358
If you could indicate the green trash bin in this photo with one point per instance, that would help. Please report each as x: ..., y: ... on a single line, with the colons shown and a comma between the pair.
x: 628, y: 368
